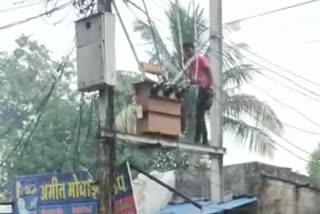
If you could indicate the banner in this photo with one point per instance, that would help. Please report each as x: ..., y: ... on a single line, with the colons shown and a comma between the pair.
x: 123, y: 199
x: 62, y: 193
x: 5, y: 209
x: 71, y: 193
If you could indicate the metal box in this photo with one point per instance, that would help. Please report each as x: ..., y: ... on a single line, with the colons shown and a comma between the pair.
x: 95, y: 37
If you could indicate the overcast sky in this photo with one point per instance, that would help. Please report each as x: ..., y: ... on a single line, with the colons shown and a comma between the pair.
x: 290, y: 38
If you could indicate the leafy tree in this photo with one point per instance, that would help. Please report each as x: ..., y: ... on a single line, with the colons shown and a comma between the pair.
x: 44, y: 130
x: 40, y: 126
x: 313, y: 167
x: 248, y: 118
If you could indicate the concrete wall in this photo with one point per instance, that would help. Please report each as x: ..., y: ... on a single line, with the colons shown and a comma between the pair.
x: 192, y: 183
x: 280, y: 190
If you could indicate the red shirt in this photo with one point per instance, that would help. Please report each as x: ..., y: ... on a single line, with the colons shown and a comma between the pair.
x: 203, y: 78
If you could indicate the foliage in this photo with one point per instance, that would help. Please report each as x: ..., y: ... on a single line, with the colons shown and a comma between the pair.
x: 38, y: 127
x: 313, y: 167
x: 42, y: 132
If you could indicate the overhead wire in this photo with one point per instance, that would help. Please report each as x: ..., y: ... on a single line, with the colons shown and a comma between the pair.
x: 272, y: 11
x: 291, y: 152
x: 270, y: 62
x: 22, y: 6
x: 288, y: 72
x: 135, y: 54
x: 284, y: 139
x: 67, y: 149
x: 291, y: 108
x: 60, y: 7
x: 277, y: 65
x: 277, y: 74
x: 153, y: 35
x: 288, y: 143
x: 301, y: 129
x: 275, y: 80
x: 300, y: 148
x: 39, y: 111
x: 271, y: 70
x: 76, y: 153
x: 161, y: 40
x: 287, y: 86
x: 286, y: 105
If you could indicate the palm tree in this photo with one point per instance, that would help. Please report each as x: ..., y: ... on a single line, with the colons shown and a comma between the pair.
x: 249, y: 119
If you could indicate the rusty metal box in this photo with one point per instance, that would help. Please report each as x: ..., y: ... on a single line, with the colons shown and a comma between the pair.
x: 161, y: 115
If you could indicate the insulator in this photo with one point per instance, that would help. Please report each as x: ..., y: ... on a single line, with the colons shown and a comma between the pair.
x: 179, y: 92
x: 155, y: 89
x: 167, y: 90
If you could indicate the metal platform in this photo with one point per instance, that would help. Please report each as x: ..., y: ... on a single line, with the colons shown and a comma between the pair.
x: 142, y: 140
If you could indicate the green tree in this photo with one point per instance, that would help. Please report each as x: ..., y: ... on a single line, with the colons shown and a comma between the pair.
x: 44, y: 125
x: 313, y: 167
x: 43, y: 132
x: 248, y: 118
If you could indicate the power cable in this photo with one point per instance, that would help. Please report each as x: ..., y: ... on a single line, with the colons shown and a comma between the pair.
x: 286, y: 105
x: 269, y: 61
x: 289, y: 87
x: 284, y: 139
x: 301, y: 129
x: 153, y: 34
x: 165, y: 51
x: 65, y: 156
x: 135, y: 54
x: 33, y: 100
x: 293, y: 144
x: 22, y: 6
x: 60, y: 7
x: 39, y: 110
x: 274, y: 72
x: 76, y: 147
x: 89, y: 122
x: 271, y: 12
x: 278, y: 74
x: 277, y: 65
x: 278, y: 144
x: 275, y: 80
x: 291, y: 108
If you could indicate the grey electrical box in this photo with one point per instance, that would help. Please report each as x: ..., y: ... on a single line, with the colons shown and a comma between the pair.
x: 95, y: 37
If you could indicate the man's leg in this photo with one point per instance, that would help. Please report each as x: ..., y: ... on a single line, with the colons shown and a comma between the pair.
x: 190, y: 111
x: 200, y: 122
x: 204, y: 131
x: 208, y: 96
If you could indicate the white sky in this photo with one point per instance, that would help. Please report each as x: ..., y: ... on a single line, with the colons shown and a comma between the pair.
x: 289, y: 38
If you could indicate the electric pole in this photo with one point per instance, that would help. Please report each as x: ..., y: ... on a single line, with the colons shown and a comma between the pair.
x: 216, y: 173
x: 106, y: 136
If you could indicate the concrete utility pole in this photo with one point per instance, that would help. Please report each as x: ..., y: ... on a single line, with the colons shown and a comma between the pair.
x: 216, y: 119
x: 106, y: 142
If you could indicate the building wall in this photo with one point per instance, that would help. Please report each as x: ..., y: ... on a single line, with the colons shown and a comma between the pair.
x: 280, y: 190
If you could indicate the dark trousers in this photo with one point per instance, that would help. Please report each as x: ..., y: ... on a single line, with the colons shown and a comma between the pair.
x: 204, y: 103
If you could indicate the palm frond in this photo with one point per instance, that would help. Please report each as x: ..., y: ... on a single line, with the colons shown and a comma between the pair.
x: 187, y: 26
x: 237, y: 76
x: 231, y: 27
x: 146, y: 33
x: 250, y: 119
x: 256, y: 139
x: 242, y: 105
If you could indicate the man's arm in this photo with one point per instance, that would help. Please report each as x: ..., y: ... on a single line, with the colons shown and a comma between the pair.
x: 205, y: 65
x: 209, y: 75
